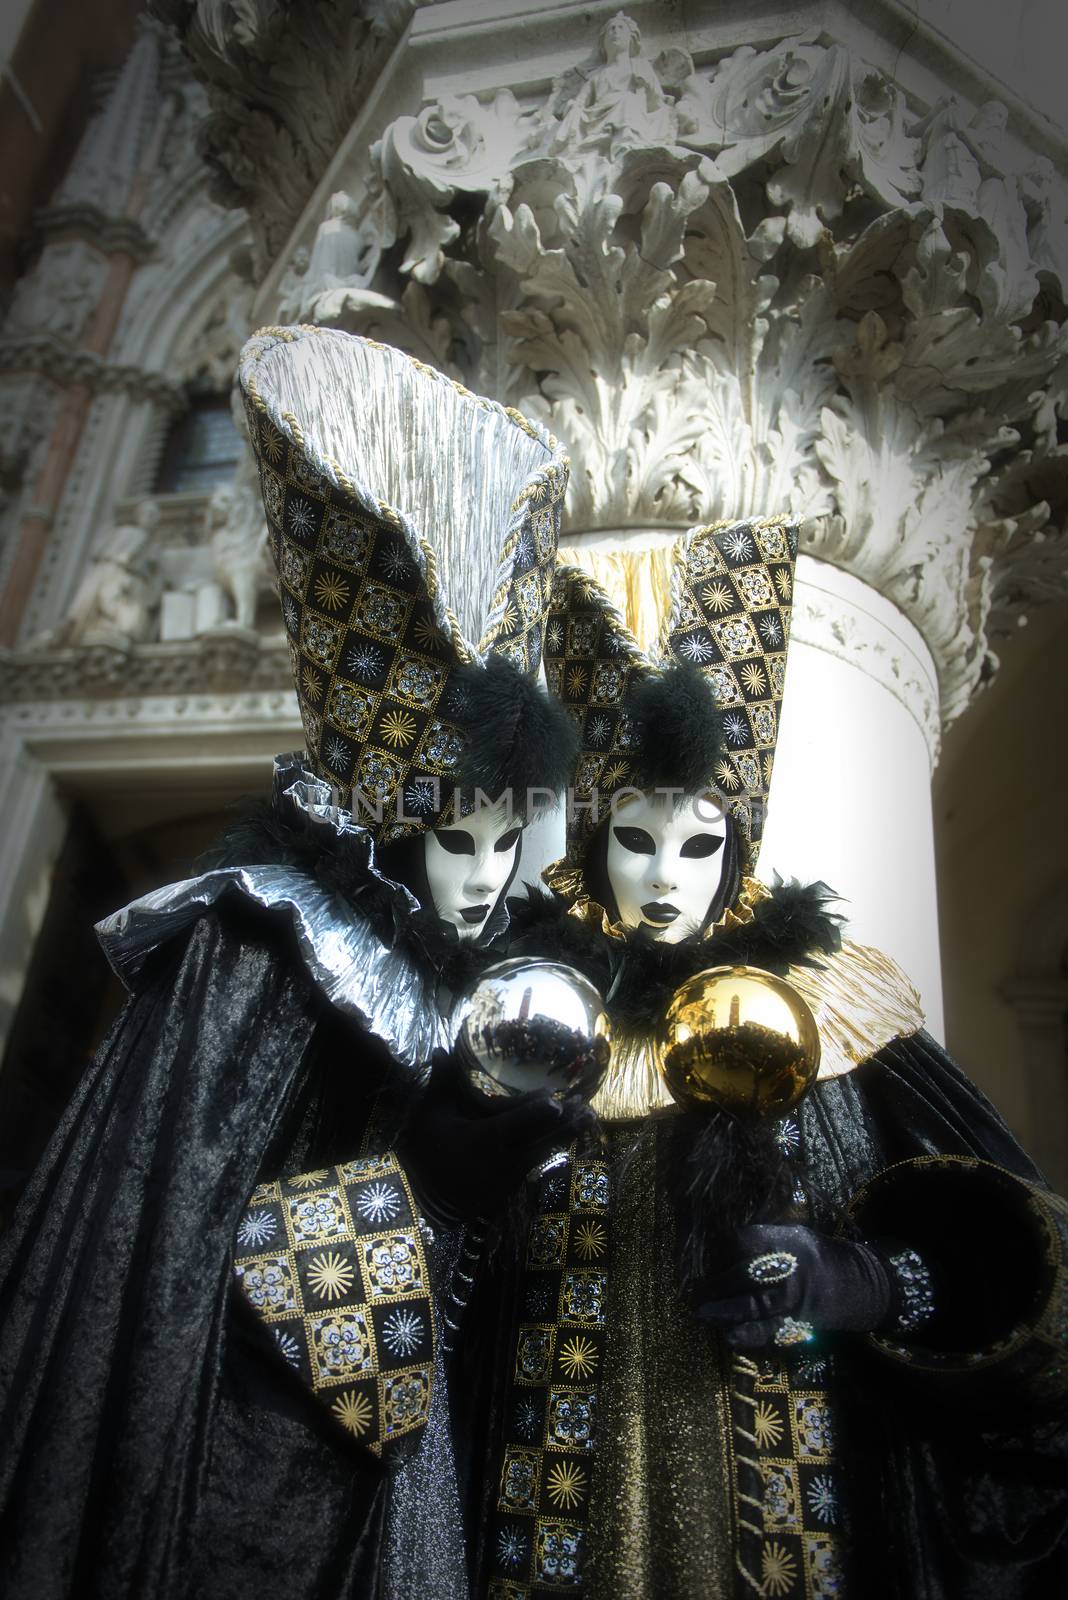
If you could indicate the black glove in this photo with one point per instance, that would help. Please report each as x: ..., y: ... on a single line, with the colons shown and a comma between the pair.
x: 783, y: 1282
x: 465, y: 1154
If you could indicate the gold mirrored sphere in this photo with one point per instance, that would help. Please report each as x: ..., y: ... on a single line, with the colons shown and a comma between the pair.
x: 739, y: 1039
x: 533, y: 1024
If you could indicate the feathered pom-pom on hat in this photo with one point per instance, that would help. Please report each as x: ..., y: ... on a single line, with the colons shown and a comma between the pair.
x: 680, y: 734
x: 517, y: 738
x: 702, y: 713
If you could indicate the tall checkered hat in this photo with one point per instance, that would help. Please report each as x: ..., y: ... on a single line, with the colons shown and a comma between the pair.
x: 729, y: 623
x: 414, y: 528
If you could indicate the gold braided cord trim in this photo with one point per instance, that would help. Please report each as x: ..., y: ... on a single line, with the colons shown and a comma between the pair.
x: 753, y: 1583
x: 294, y: 427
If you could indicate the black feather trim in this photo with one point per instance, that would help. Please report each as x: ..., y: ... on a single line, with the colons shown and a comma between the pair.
x: 540, y: 926
x: 679, y: 727
x: 518, y: 738
x: 723, y: 1172
x: 793, y: 925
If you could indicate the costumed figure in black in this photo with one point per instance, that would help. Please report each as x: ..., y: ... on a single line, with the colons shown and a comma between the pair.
x: 772, y: 1342
x: 218, y: 1321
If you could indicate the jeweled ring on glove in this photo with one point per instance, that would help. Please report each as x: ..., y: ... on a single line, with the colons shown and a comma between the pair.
x: 792, y: 1330
x: 772, y: 1267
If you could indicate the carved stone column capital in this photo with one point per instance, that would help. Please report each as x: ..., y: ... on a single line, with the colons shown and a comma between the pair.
x: 738, y: 281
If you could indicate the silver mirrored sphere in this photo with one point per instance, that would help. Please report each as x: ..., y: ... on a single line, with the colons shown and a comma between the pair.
x: 532, y: 1024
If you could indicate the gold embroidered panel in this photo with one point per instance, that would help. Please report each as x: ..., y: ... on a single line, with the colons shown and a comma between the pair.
x: 333, y: 1265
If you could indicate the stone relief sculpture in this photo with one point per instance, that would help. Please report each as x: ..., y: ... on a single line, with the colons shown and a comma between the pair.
x: 621, y: 102
x: 115, y: 599
x: 863, y: 354
x: 237, y: 536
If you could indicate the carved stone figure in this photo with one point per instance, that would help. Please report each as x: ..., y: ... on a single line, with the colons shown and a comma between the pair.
x: 291, y: 289
x: 237, y: 535
x: 56, y: 296
x: 115, y: 597
x: 619, y: 104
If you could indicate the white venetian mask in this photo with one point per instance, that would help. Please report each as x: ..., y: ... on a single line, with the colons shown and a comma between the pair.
x: 665, y: 862
x: 469, y: 864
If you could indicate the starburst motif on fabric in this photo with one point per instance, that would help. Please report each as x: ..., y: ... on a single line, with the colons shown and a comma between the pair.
x: 257, y: 1228
x: 353, y: 1411
x: 598, y: 730
x: 331, y: 590
x: 420, y: 797
x: 290, y: 614
x: 308, y: 1180
x: 272, y: 443
x: 778, y: 1569
x: 312, y: 683
x: 823, y: 1498
x: 767, y: 1425
x: 788, y: 1136
x: 527, y: 1419
x: 590, y: 1240
x: 330, y: 1275
x: 566, y: 1485
x: 695, y: 648
x: 738, y: 545
x: 509, y: 617
x: 768, y: 766
x: 783, y: 583
x: 301, y: 516
x: 538, y: 1300
x: 511, y: 1547
x: 752, y: 676
x: 396, y: 565
x: 398, y: 729
x: 578, y: 1357
x: 427, y: 635
x: 364, y: 661
x: 288, y: 1347
x: 524, y: 550
x: 336, y: 753
x: 717, y: 597
x: 726, y: 776
x: 613, y: 776
x: 576, y: 681
x: 554, y: 636
x: 402, y: 1332
x: 735, y: 728
x: 770, y: 630
x: 378, y: 1203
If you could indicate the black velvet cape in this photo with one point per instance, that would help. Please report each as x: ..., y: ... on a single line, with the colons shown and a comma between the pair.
x: 147, y: 1444
x: 150, y: 1445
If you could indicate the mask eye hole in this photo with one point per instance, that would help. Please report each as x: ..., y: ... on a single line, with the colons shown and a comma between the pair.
x: 636, y: 840
x: 457, y: 841
x: 700, y: 845
x: 507, y: 841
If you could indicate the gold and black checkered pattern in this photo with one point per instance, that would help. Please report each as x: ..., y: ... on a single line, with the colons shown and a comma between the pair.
x: 332, y: 1262
x: 732, y: 594
x: 374, y: 649
x: 537, y: 1539
x: 787, y: 1480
